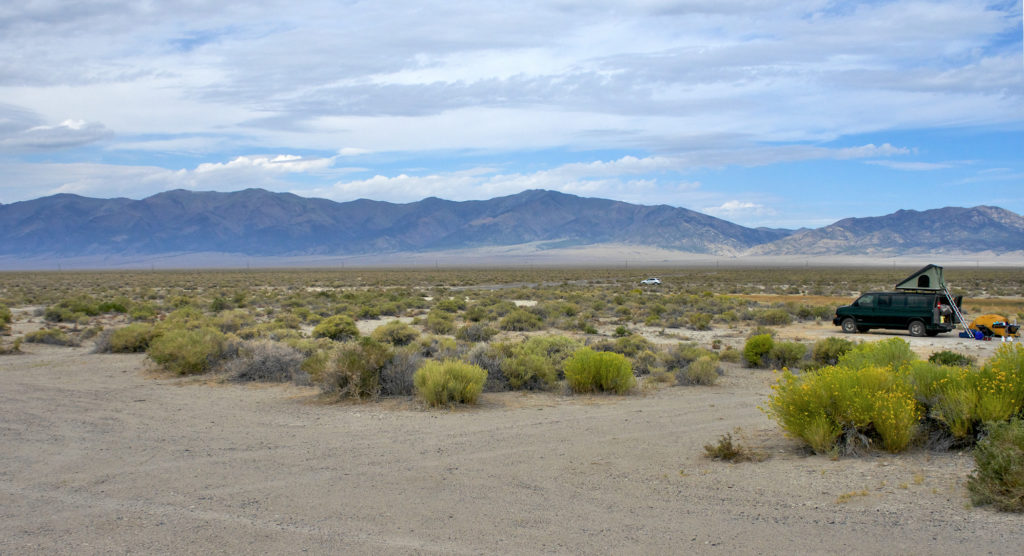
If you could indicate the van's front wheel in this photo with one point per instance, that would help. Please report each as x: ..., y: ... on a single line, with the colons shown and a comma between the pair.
x: 916, y: 328
x: 849, y: 325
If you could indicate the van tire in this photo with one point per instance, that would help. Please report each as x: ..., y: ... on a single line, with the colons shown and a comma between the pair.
x: 849, y: 325
x: 916, y: 328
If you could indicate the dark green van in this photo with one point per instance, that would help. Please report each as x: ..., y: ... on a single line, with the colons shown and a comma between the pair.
x: 920, y: 313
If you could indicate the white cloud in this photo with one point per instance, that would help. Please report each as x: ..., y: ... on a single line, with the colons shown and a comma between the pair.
x: 911, y: 166
x: 352, y: 151
x: 535, y: 73
x: 734, y: 208
x: 67, y: 134
x: 282, y: 163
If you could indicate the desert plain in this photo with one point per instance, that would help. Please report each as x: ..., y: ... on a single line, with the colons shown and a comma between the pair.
x: 103, y: 454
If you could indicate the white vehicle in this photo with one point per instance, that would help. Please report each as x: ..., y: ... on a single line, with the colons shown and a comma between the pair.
x: 651, y: 282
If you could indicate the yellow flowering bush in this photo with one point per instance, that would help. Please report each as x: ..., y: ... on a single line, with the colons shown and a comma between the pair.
x: 883, y: 393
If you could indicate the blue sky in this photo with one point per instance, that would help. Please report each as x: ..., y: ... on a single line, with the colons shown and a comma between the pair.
x: 766, y: 113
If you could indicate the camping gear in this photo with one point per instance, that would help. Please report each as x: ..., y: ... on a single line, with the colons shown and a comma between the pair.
x: 992, y: 325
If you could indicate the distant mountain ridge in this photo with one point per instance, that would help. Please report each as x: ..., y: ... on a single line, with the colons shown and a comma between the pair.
x: 945, y: 230
x: 256, y: 222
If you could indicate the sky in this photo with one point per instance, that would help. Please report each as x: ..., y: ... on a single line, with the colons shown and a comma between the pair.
x: 791, y: 113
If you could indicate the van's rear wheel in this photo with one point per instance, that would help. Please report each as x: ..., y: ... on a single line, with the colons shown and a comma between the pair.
x: 849, y: 325
x: 916, y: 328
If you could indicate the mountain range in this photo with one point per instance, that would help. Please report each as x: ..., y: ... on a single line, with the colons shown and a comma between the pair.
x: 259, y: 223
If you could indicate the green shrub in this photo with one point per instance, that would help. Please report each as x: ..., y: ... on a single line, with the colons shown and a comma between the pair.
x: 356, y: 369
x: 555, y: 348
x: 629, y: 345
x: 368, y: 312
x: 476, y: 332
x: 338, y: 328
x: 12, y: 348
x: 730, y: 355
x: 956, y: 407
x: 1000, y: 384
x: 133, y: 338
x: 870, y: 402
x: 440, y: 322
x: 219, y: 304
x: 476, y: 313
x: 951, y: 358
x: 892, y: 353
x: 396, y: 333
x: 621, y: 331
x: 756, y: 348
x: 62, y: 314
x: 438, y: 347
x: 521, y: 320
x: 535, y: 364
x: 759, y: 330
x: 928, y: 380
x: 678, y: 357
x: 451, y: 305
x: 773, y: 317
x: 447, y: 382
x: 317, y: 363
x: 699, y: 321
x: 531, y: 371
x: 785, y: 354
x: 599, y: 371
x: 72, y: 309
x: 185, y: 317
x: 644, y: 362
x: 960, y: 399
x: 142, y: 311
x: 703, y: 371
x: 233, y: 320
x: 51, y: 336
x: 731, y: 450
x: 827, y: 351
x: 117, y: 305
x: 5, y: 317
x: 187, y: 351
x: 998, y: 478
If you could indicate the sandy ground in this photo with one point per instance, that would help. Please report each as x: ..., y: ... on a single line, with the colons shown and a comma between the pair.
x: 101, y: 456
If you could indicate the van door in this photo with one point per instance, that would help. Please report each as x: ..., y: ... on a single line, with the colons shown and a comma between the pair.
x: 865, y: 313
x: 883, y: 311
x: 898, y: 315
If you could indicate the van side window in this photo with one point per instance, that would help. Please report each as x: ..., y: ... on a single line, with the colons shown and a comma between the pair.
x: 918, y: 301
x: 884, y: 300
x: 899, y: 301
x: 866, y: 301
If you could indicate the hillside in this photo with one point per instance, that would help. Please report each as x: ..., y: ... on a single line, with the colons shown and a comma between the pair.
x: 259, y: 223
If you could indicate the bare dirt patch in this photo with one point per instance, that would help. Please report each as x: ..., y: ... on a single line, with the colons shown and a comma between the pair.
x: 99, y: 456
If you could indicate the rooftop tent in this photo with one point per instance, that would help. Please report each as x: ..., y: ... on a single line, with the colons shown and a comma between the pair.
x: 928, y: 278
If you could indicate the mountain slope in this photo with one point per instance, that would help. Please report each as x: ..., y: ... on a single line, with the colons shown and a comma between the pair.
x: 255, y: 222
x: 258, y: 222
x: 945, y: 230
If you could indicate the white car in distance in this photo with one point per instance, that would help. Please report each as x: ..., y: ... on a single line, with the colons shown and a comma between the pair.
x: 651, y: 282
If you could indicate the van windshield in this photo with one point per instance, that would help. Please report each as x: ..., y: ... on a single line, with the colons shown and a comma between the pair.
x: 865, y: 301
